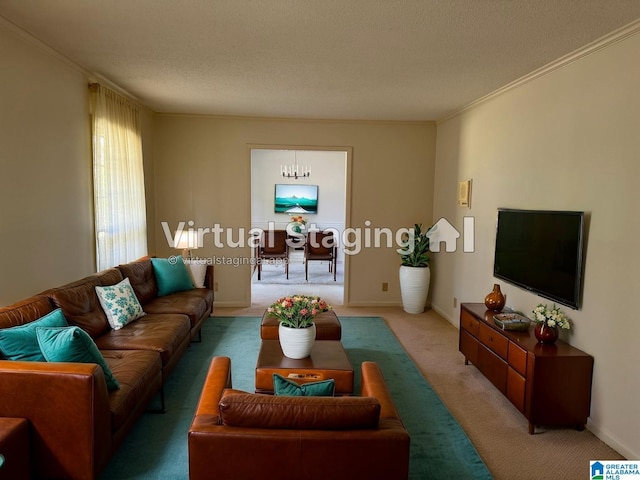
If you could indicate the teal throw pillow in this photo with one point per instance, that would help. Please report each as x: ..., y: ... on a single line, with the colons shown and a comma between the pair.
x: 72, y: 344
x: 21, y: 343
x: 120, y: 304
x: 171, y: 275
x: 288, y: 388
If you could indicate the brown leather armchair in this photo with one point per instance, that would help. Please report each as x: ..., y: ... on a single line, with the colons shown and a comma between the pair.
x: 320, y: 246
x: 273, y: 246
x: 236, y: 435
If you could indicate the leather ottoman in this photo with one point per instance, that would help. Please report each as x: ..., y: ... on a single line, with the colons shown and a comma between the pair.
x: 327, y: 326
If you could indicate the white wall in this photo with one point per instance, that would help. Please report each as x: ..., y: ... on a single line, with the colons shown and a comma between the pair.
x: 568, y: 140
x: 328, y: 172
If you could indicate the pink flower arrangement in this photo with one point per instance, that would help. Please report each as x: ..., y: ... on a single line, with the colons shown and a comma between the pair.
x: 298, y: 311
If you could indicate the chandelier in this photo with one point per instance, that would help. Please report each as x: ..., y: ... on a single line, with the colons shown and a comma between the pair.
x: 294, y: 170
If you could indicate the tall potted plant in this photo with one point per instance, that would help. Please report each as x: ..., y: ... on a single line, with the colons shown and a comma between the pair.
x: 297, y: 331
x: 415, y: 274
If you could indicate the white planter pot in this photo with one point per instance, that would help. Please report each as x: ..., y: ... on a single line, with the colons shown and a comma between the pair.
x: 297, y: 342
x: 414, y: 287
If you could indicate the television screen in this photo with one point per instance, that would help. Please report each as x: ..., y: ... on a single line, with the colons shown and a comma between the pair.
x: 541, y: 251
x: 296, y: 199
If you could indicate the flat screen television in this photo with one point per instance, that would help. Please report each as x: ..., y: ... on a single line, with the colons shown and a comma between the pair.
x: 542, y: 252
x: 296, y: 199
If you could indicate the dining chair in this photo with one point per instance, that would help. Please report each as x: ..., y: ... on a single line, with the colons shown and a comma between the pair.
x: 273, y: 246
x: 321, y: 247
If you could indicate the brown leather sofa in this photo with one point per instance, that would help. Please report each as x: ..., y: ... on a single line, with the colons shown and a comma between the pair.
x: 236, y: 435
x: 76, y: 424
x: 14, y: 448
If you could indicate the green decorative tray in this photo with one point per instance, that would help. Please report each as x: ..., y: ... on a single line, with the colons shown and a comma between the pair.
x: 512, y: 321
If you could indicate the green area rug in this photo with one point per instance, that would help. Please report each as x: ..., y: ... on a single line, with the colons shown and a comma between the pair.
x: 157, y: 446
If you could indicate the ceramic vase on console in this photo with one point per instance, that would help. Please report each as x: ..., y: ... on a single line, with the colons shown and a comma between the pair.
x: 495, y: 300
x: 546, y: 334
x: 297, y: 343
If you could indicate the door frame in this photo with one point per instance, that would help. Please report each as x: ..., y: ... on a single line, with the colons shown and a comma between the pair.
x: 347, y: 204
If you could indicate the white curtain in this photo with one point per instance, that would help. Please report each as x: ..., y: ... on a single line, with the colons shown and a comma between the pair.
x: 118, y: 179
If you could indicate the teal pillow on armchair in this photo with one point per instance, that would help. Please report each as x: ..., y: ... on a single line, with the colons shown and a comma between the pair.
x: 288, y: 388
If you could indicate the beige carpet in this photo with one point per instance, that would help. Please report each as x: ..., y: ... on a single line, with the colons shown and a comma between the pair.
x: 495, y: 427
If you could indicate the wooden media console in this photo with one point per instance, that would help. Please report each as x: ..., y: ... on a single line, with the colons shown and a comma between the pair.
x: 549, y: 384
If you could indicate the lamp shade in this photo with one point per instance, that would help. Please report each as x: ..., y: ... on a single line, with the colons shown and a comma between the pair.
x: 186, y: 239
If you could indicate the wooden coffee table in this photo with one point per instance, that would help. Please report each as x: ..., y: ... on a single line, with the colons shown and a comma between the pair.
x: 327, y: 360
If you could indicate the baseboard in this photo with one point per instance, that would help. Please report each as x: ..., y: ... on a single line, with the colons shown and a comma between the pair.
x: 612, y: 442
x: 444, y: 315
x: 217, y: 304
x: 373, y: 304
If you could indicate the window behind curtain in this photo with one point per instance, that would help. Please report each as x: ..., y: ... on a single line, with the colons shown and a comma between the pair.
x: 118, y: 179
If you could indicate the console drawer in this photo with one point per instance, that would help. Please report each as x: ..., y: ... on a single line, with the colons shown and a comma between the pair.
x: 469, y: 347
x: 494, y: 340
x: 469, y: 323
x: 516, y: 386
x: 493, y: 367
x: 518, y: 359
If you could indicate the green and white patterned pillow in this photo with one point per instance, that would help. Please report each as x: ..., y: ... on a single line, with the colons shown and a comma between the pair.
x: 120, y: 304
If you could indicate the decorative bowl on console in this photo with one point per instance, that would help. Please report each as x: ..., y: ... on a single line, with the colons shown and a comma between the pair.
x: 512, y: 321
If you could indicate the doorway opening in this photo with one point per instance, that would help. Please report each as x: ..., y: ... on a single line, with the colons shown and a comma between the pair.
x: 318, y: 201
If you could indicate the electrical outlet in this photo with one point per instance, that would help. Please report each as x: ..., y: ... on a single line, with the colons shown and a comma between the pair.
x: 215, y: 286
x: 455, y: 302
x: 385, y: 287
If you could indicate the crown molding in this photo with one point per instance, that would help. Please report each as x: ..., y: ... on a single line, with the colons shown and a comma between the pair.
x: 600, y: 44
x: 40, y: 45
x: 264, y: 118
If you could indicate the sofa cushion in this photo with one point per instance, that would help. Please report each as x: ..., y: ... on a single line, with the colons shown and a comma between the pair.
x: 171, y: 275
x: 81, y: 307
x: 143, y: 280
x: 161, y: 333
x: 289, y: 388
x: 193, y: 303
x: 21, y: 342
x: 301, y: 413
x: 72, y: 344
x: 139, y: 373
x: 25, y: 311
x: 119, y: 303
x: 110, y: 276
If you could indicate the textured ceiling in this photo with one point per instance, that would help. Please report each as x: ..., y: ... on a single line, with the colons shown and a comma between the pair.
x: 338, y: 59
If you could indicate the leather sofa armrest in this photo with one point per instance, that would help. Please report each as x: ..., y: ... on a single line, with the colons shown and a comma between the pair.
x: 14, y: 446
x: 218, y: 379
x: 374, y: 385
x: 67, y: 405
